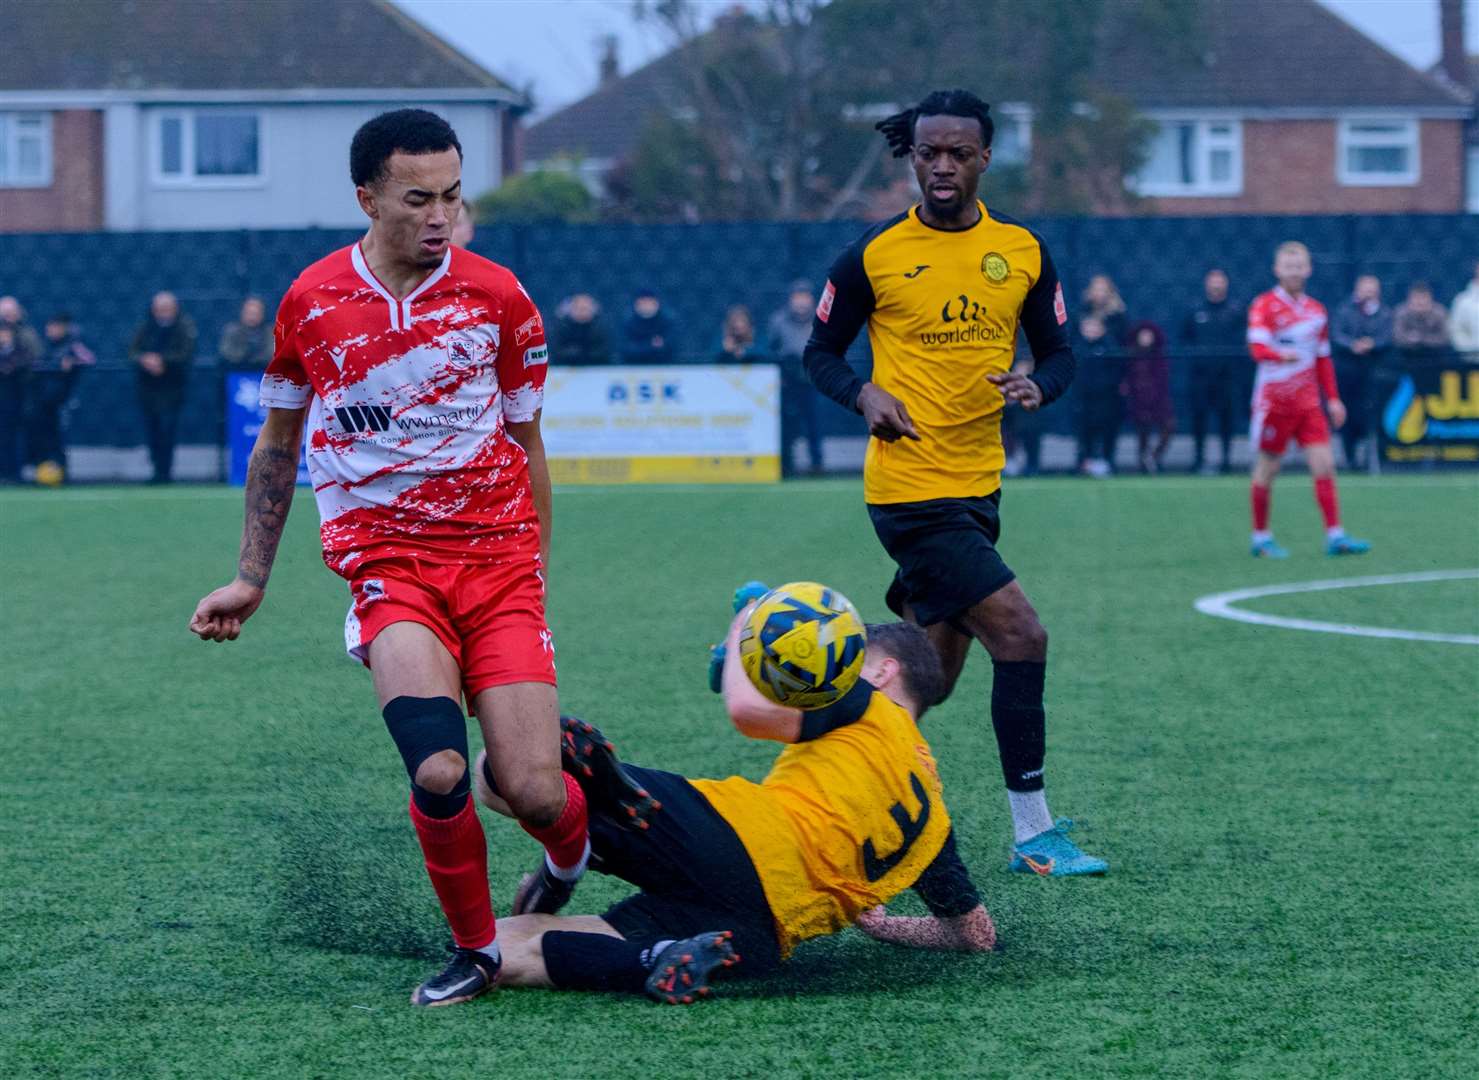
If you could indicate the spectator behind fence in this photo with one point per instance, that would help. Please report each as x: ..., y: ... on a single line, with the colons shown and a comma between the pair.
x: 247, y: 342
x: 1420, y: 325
x: 1361, y: 343
x: 1101, y: 369
x: 20, y: 347
x: 647, y: 337
x: 1102, y: 298
x: 786, y: 335
x: 1215, y: 338
x: 163, y: 348
x: 580, y: 335
x: 1463, y: 317
x: 53, y: 379
x: 737, y: 337
x: 1148, y: 391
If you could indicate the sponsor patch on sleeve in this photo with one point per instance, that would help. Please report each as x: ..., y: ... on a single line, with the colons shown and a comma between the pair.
x: 1060, y: 309
x: 527, y: 329
x: 824, y: 305
x: 537, y: 356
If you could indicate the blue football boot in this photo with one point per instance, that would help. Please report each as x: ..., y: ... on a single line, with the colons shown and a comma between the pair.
x: 1346, y: 545
x: 1268, y: 549
x: 1052, y: 854
x: 750, y: 590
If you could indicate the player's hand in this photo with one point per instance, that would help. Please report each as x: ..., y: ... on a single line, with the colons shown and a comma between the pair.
x: 218, y: 617
x: 1288, y: 356
x: 1337, y: 413
x: 153, y: 363
x: 871, y: 921
x: 1018, y: 389
x: 886, y: 415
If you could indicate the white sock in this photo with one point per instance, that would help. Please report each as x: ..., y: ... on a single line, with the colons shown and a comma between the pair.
x: 1335, y: 532
x: 492, y: 951
x: 1261, y: 536
x: 571, y: 873
x: 1029, y: 813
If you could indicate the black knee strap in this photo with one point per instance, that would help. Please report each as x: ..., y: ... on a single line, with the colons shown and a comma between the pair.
x: 423, y: 727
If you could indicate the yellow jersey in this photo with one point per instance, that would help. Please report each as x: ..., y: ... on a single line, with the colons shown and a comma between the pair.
x: 942, y: 310
x: 847, y: 818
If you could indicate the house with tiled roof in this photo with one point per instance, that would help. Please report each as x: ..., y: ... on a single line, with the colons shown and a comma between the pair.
x: 220, y: 114
x: 1284, y: 108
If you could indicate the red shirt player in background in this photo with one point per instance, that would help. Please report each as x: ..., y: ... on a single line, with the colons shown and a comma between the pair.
x: 1289, y: 337
x: 419, y: 369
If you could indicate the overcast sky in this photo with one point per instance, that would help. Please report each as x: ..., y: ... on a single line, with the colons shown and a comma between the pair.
x: 551, y: 46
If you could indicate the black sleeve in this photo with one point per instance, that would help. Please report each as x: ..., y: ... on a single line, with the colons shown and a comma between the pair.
x: 846, y: 303
x: 945, y: 886
x: 848, y: 709
x: 1045, y: 321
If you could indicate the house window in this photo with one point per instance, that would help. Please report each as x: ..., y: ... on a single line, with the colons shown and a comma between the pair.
x: 1012, y: 142
x: 1193, y: 157
x: 25, y: 149
x: 208, y: 147
x: 1376, y: 152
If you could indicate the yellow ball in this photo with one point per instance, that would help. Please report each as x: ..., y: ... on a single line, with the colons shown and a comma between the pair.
x: 802, y: 645
x: 50, y: 474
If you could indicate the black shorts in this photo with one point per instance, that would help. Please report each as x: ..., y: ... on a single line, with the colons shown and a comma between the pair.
x: 946, y: 552
x: 694, y: 873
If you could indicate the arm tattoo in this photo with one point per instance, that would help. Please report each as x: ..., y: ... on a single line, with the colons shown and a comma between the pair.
x: 272, y: 474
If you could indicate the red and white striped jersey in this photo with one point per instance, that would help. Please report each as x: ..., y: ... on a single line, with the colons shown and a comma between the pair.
x: 408, y: 399
x: 1278, y: 322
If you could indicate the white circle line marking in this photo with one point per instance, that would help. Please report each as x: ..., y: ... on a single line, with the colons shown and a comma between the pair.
x: 1220, y: 605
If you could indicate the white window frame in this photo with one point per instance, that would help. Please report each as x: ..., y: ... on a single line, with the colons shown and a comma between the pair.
x: 1020, y: 114
x: 187, y: 178
x: 12, y: 146
x: 1204, y: 186
x: 1410, y: 140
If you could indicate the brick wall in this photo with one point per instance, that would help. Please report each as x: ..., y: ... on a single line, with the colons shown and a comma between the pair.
x: 1276, y: 150
x: 74, y: 202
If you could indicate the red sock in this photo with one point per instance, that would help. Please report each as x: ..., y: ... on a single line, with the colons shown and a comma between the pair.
x: 565, y: 840
x: 1260, y: 507
x: 1325, y: 496
x: 457, y: 863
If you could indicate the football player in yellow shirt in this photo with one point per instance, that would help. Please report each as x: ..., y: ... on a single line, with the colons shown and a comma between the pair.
x: 943, y: 289
x: 850, y: 815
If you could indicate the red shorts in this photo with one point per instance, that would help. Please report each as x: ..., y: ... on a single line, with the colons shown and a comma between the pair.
x: 489, y: 616
x: 1273, y: 429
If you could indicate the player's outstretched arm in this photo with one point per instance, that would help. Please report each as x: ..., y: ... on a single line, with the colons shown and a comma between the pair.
x: 972, y: 932
x: 752, y: 714
x: 272, y: 473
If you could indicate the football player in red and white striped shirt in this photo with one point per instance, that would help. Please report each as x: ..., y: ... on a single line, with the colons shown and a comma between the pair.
x: 419, y: 370
x: 1289, y: 339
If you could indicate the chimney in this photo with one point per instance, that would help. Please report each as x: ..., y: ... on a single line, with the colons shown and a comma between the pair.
x: 610, y: 66
x: 1454, y: 62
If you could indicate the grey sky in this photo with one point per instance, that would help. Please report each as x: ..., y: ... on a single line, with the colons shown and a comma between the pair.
x: 551, y: 46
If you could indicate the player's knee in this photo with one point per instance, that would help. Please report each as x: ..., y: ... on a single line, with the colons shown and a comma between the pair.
x: 431, y: 735
x: 537, y: 799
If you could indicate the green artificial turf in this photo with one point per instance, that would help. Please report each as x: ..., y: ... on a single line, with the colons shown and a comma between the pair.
x: 207, y: 869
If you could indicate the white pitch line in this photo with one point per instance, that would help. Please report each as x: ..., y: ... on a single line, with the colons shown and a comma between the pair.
x: 1220, y: 605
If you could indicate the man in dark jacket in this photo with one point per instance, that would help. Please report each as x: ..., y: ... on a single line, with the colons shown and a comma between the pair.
x: 580, y: 336
x: 52, y: 380
x: 247, y: 342
x: 1361, y: 336
x: 647, y: 337
x: 163, y: 348
x: 785, y: 342
x: 19, y: 350
x: 1214, y: 339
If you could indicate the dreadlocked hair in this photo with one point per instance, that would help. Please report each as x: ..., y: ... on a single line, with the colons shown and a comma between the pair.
x: 898, y: 129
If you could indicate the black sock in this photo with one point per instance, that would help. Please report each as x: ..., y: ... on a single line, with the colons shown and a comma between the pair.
x: 1020, y: 723
x: 596, y: 961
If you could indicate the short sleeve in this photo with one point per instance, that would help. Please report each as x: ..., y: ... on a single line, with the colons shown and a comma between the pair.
x: 1044, y: 311
x: 946, y: 886
x: 523, y: 357
x: 285, y: 384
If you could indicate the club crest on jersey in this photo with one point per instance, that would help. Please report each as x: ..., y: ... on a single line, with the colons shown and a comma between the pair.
x: 370, y: 590
x: 824, y: 305
x: 995, y: 268
x: 462, y: 350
